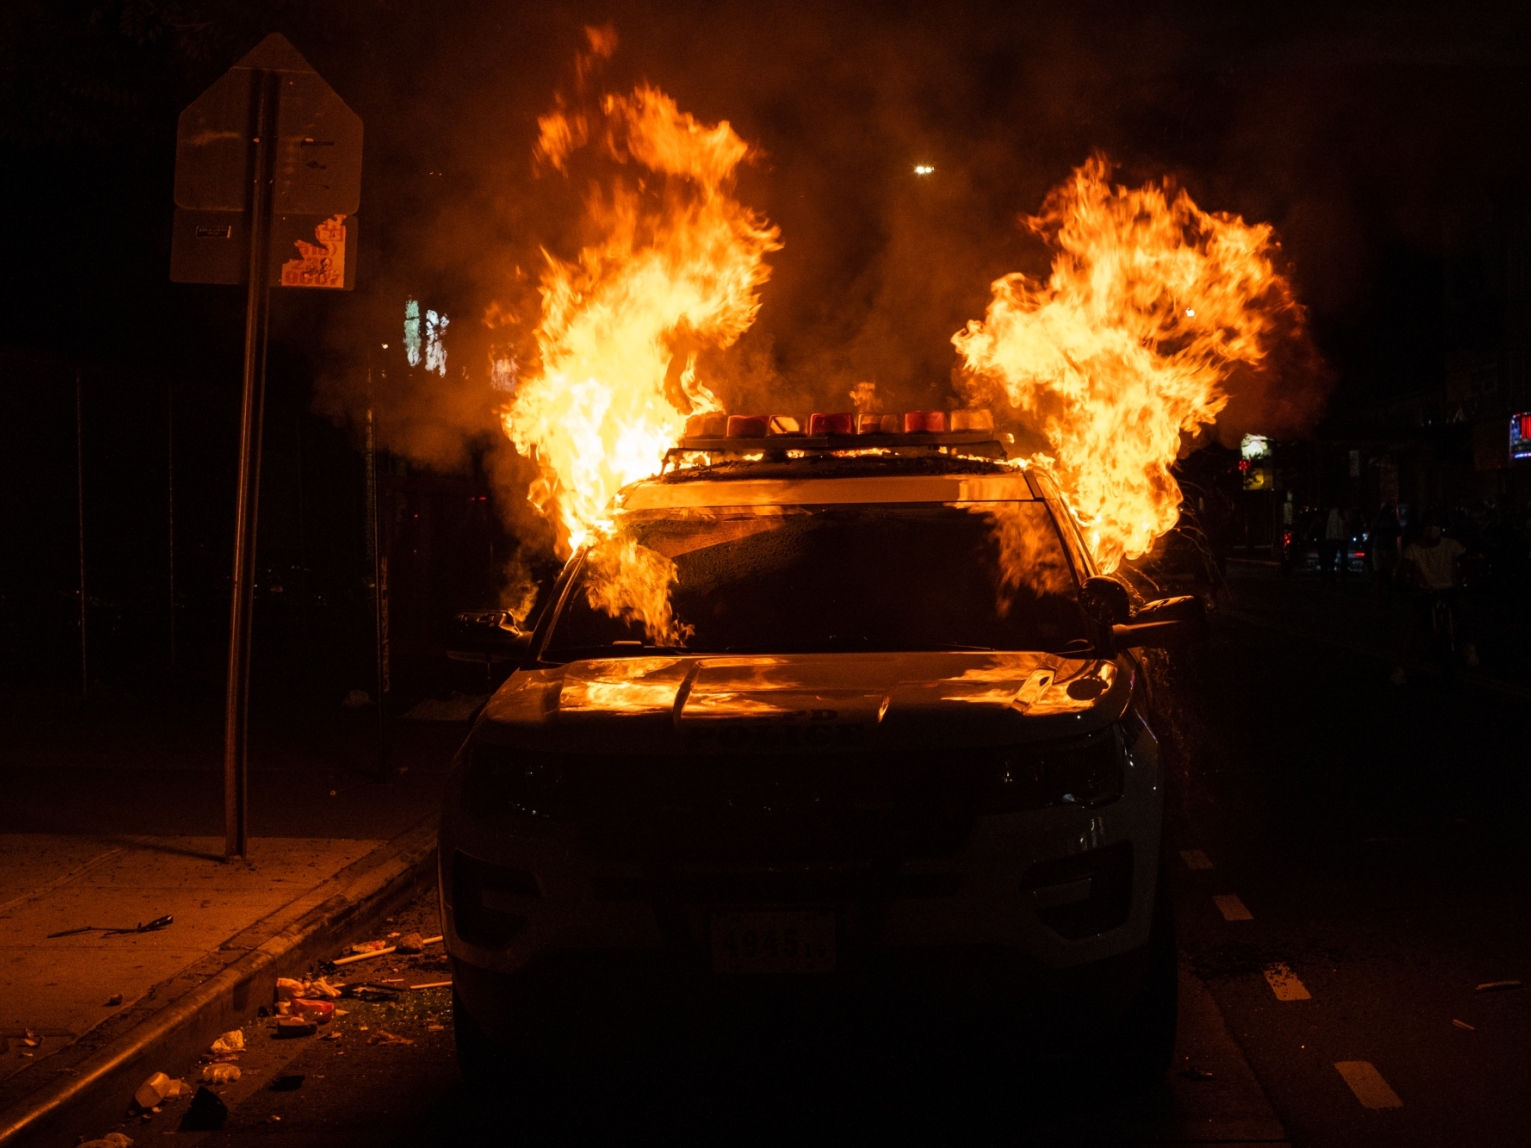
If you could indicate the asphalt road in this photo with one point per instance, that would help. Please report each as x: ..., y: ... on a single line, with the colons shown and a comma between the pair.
x: 1355, y: 867
x: 1377, y: 837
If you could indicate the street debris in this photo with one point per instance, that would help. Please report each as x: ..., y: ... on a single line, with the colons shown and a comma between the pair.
x: 110, y: 1140
x: 231, y: 1041
x: 1498, y: 986
x: 207, y: 1112
x: 367, y: 991
x: 32, y: 1039
x: 291, y: 1026
x: 291, y: 1082
x: 220, y: 1073
x: 1464, y: 1024
x: 365, y: 956
x: 383, y: 1036
x: 1192, y: 1072
x: 435, y: 1028
x: 153, y: 926
x: 320, y: 1012
x: 289, y: 990
x: 153, y: 1090
x: 432, y: 985
x: 408, y: 944
x: 113, y: 1001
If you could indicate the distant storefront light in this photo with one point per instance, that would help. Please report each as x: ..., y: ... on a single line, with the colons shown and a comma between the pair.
x: 1520, y: 435
x: 412, y: 332
x: 425, y: 342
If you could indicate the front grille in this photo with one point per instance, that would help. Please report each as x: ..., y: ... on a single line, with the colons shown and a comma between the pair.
x: 817, y: 888
x: 745, y: 808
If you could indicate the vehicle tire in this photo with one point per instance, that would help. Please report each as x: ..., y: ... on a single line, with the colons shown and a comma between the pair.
x: 1151, y: 1017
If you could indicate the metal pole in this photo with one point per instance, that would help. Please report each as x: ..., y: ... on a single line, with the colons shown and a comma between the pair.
x: 257, y: 314
x: 79, y: 494
x: 379, y: 573
x: 170, y: 511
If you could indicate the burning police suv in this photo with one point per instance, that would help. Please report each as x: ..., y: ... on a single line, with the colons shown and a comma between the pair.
x: 869, y: 722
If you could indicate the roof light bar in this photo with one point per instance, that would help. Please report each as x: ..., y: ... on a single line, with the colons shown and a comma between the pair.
x: 839, y: 431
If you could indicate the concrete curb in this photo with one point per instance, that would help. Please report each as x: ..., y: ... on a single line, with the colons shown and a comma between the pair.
x: 92, y: 1091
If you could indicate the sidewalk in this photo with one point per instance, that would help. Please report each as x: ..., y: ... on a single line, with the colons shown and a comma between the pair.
x: 113, y: 820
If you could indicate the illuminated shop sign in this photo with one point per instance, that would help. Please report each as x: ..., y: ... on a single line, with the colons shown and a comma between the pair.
x: 1520, y: 435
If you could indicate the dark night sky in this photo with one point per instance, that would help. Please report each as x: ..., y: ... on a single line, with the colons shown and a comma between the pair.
x: 1363, y: 133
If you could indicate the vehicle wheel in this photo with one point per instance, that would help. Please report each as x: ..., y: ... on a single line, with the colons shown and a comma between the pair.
x: 1150, y: 1020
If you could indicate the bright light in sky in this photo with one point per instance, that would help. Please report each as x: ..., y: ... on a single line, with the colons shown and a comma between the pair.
x: 923, y: 169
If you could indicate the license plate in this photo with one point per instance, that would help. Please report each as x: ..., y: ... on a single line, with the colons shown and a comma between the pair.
x: 783, y: 941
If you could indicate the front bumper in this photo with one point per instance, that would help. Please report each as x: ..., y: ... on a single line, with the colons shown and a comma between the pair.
x: 1048, y: 902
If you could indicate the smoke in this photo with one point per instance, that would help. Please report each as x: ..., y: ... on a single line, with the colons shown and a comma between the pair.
x: 1315, y: 123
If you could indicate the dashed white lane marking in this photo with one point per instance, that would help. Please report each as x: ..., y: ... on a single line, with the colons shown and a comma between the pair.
x: 1285, y: 983
x: 1367, y: 1083
x: 1195, y: 859
x: 1232, y: 908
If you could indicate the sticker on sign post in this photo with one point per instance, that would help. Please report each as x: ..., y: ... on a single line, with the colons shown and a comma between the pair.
x: 322, y: 263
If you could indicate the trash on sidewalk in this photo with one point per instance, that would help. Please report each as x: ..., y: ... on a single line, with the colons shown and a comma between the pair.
x: 1497, y: 986
x: 31, y: 1038
x: 110, y: 1140
x: 291, y: 1082
x: 291, y: 1026
x: 153, y: 1090
x: 410, y: 943
x: 113, y: 1001
x: 153, y: 926
x: 220, y: 1073
x: 383, y: 1036
x: 432, y: 985
x: 231, y: 1041
x: 1464, y: 1024
x: 207, y: 1112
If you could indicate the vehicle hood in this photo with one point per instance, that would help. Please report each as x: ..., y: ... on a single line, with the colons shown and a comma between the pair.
x: 806, y: 702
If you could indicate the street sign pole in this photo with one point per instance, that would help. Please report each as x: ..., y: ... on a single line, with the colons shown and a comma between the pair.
x: 267, y: 162
x: 236, y: 726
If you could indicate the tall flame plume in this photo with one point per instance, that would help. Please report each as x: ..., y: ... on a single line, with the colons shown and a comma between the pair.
x: 1150, y: 306
x: 674, y: 269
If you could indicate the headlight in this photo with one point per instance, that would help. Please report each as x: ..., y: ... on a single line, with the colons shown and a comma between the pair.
x: 1086, y: 771
x: 502, y: 780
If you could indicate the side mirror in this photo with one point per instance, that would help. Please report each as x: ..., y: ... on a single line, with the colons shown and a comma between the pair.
x: 1167, y: 622
x: 1106, y: 601
x: 488, y: 637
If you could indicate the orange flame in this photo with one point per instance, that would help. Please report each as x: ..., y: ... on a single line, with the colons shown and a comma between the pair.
x: 675, y: 269
x: 1150, y: 305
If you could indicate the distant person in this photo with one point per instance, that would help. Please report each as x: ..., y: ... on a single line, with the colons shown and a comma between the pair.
x: 1386, y: 547
x: 1432, y: 570
x: 1332, y: 543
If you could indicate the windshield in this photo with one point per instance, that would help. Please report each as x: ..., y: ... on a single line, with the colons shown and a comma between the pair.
x: 819, y: 579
